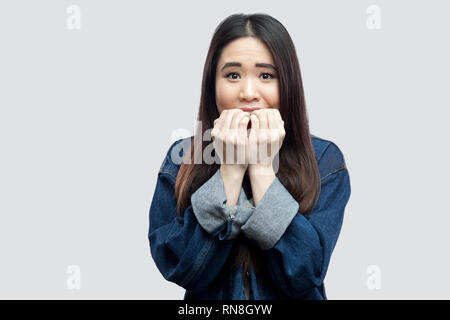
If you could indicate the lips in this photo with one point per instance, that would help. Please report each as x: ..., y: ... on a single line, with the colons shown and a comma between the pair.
x: 247, y: 109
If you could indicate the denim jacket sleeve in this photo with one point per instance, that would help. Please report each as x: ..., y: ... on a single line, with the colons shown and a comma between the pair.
x: 209, y: 203
x: 187, y: 252
x: 298, y: 248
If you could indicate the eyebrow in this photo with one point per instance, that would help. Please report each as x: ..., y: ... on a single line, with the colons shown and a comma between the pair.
x: 258, y: 65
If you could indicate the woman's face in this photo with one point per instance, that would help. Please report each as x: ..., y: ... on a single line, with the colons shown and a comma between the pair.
x: 246, y: 76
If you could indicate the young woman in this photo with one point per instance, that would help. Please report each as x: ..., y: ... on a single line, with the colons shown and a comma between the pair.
x: 244, y: 229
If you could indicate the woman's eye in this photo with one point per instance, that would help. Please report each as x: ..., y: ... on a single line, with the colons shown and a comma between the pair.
x: 268, y: 74
x: 231, y: 73
x: 265, y: 75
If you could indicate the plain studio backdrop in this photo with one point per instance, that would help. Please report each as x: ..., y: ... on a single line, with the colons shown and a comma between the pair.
x: 93, y: 93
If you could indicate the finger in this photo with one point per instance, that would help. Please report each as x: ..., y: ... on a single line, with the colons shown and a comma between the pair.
x: 242, y: 139
x: 270, y: 119
x: 262, y: 116
x: 278, y: 114
x: 221, y: 121
x: 253, y: 140
x: 215, y: 127
x: 275, y: 131
x: 237, y: 117
x: 218, y: 123
x: 255, y: 122
x: 242, y: 129
x: 280, y: 122
x: 275, y: 120
x: 229, y: 118
x: 232, y: 132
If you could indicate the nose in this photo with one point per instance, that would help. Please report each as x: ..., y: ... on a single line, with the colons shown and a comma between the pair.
x: 249, y: 90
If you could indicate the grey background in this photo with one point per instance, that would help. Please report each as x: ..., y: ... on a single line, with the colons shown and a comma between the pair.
x: 86, y: 117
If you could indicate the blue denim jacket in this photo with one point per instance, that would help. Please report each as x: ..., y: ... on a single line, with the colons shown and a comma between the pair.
x: 191, y: 250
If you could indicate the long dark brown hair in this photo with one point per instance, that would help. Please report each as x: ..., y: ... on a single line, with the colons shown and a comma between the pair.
x: 297, y: 169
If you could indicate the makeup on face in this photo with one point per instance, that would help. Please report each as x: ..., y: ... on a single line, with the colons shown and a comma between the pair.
x: 248, y: 109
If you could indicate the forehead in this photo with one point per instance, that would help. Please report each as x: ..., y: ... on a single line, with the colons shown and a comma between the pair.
x: 249, y: 48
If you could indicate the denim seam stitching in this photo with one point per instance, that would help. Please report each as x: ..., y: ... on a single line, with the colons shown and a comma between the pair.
x: 342, y: 167
x: 323, y: 152
x: 203, y: 253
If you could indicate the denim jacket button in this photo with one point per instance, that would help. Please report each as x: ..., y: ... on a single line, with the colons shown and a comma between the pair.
x: 232, y: 212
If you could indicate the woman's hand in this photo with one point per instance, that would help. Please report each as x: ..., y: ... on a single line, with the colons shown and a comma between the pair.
x: 265, y: 139
x: 230, y: 138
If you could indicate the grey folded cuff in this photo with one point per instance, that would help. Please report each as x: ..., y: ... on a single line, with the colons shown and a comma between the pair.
x: 272, y: 216
x: 213, y: 214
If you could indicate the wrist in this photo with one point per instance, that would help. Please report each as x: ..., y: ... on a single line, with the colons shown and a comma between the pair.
x: 230, y: 172
x: 260, y: 170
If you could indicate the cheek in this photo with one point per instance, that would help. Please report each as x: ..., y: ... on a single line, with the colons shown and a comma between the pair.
x: 225, y: 95
x: 272, y: 96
